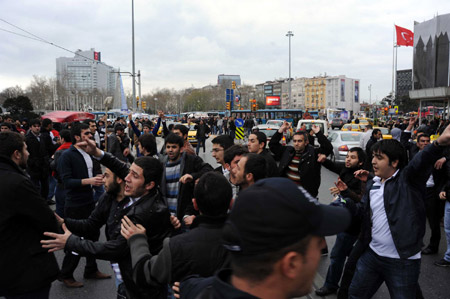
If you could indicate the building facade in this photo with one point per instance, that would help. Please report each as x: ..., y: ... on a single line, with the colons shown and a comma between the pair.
x: 403, y: 83
x: 85, y: 73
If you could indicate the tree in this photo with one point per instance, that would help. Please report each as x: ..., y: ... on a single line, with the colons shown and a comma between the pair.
x: 19, y: 107
x: 11, y: 92
x: 40, y: 93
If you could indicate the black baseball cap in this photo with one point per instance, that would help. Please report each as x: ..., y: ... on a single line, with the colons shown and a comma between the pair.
x: 274, y: 213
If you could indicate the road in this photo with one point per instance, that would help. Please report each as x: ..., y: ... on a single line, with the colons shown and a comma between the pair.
x: 433, y: 280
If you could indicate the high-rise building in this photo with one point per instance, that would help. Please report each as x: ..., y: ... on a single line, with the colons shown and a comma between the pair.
x: 85, y: 73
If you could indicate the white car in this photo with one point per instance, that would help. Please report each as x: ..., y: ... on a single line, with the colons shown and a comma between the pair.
x: 270, y: 130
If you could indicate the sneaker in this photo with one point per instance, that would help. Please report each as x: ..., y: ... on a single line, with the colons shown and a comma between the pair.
x: 442, y: 263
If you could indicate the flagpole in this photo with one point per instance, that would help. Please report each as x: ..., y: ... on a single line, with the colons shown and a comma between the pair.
x: 395, y: 77
x: 393, y: 59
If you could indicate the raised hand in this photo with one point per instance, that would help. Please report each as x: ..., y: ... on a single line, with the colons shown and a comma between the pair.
x: 444, y: 139
x: 315, y: 129
x: 341, y: 185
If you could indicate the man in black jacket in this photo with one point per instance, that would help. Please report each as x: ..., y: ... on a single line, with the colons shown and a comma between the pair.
x: 78, y: 173
x: 180, y: 173
x: 38, y: 165
x: 198, y: 251
x: 299, y: 162
x: 347, y: 186
x: 257, y: 142
x: 393, y: 219
x: 25, y: 268
x: 271, y: 258
x: 131, y: 191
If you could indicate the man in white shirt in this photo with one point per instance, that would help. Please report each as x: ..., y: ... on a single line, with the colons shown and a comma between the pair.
x: 365, y: 137
x: 393, y: 219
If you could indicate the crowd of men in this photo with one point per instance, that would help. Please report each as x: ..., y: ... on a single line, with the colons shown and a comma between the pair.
x: 251, y: 228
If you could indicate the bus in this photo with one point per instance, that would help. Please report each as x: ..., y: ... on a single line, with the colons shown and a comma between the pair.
x: 431, y: 112
x: 262, y: 115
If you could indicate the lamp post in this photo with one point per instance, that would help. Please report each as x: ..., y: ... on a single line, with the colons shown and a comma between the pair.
x: 156, y: 99
x: 133, y: 67
x: 370, y: 93
x: 289, y: 34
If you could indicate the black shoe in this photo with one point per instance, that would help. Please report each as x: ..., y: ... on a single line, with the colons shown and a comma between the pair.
x: 442, y: 263
x: 325, y: 291
x: 429, y: 250
x: 50, y: 202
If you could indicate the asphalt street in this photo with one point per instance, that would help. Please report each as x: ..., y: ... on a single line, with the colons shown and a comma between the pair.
x: 433, y: 280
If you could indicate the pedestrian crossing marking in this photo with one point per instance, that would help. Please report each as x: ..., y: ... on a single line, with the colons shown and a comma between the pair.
x: 239, y: 133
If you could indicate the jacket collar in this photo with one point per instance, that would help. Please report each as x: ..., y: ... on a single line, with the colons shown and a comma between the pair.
x: 222, y: 287
x: 9, y: 164
x: 204, y: 220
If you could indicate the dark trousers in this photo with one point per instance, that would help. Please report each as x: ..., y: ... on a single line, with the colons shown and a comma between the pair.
x: 42, y: 185
x: 435, y: 211
x: 201, y: 142
x: 400, y: 275
x: 60, y: 199
x: 71, y: 260
x: 341, y: 249
x: 38, y: 294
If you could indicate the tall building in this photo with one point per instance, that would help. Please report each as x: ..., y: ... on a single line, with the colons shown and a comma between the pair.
x: 297, y: 100
x: 85, y: 73
x: 431, y: 70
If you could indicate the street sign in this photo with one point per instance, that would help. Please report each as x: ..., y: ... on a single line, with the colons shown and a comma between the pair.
x: 396, y: 109
x: 239, y: 122
x: 239, y: 133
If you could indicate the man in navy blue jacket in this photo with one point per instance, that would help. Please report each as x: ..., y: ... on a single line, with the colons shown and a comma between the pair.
x: 393, y: 219
x: 78, y: 174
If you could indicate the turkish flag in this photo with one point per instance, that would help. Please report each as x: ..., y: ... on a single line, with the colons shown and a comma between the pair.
x: 405, y: 37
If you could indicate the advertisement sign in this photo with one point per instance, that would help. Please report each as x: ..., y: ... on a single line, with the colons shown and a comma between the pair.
x: 356, y: 91
x: 342, y: 90
x: 97, y: 56
x: 273, y: 101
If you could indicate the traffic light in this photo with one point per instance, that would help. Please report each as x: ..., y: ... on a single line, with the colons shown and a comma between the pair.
x: 233, y: 84
x: 144, y: 105
x: 228, y: 106
x: 385, y: 110
x: 253, y: 107
x: 256, y: 107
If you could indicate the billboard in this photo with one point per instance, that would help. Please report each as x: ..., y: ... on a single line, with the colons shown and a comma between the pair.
x: 356, y: 91
x: 273, y: 101
x: 431, y: 53
x: 97, y: 56
x: 342, y: 90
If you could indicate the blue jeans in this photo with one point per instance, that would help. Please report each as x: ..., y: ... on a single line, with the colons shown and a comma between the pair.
x: 401, y: 276
x: 60, y: 199
x: 341, y: 249
x: 447, y: 229
x: 51, y: 186
x: 200, y: 141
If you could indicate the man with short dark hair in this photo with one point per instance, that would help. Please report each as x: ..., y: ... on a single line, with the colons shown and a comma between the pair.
x: 250, y: 168
x: 39, y: 160
x: 78, y: 174
x: 271, y: 258
x: 180, y: 173
x: 147, y: 145
x: 132, y: 192
x: 183, y: 131
x: 219, y: 145
x: 231, y: 157
x: 5, y: 127
x: 299, y: 162
x: 257, y: 142
x: 393, y: 219
x: 26, y: 270
x: 198, y: 251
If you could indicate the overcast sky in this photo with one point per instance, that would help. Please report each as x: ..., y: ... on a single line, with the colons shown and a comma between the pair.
x: 187, y: 43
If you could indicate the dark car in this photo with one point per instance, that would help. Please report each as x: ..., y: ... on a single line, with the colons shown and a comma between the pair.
x: 337, y: 123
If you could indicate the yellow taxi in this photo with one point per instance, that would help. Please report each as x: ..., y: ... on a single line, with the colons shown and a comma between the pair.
x: 353, y: 127
x: 192, y: 134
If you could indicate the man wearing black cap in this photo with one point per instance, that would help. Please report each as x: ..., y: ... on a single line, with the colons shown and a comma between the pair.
x: 275, y: 235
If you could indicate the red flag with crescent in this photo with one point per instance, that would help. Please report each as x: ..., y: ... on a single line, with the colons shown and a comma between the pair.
x: 405, y: 37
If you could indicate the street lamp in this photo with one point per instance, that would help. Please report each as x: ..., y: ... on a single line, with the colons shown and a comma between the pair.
x: 156, y: 99
x: 289, y: 34
x: 370, y: 93
x: 132, y: 40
